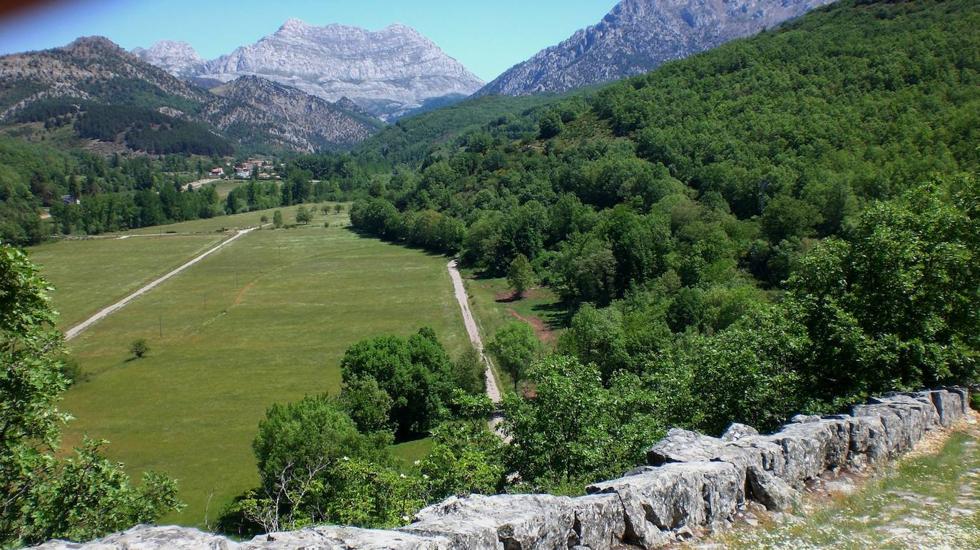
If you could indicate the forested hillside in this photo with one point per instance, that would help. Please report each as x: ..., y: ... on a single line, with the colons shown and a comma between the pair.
x: 785, y: 223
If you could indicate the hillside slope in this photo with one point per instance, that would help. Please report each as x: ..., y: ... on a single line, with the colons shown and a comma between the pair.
x: 37, y: 86
x: 638, y: 36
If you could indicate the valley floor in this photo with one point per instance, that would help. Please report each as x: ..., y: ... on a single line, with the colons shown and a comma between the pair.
x: 264, y: 320
x: 931, y: 499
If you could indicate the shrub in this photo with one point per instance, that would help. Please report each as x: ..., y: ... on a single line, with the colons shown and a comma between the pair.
x: 139, y: 348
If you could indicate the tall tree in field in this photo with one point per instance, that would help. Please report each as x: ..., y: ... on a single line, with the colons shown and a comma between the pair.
x: 520, y: 275
x: 516, y: 347
x: 303, y: 215
x: 277, y: 219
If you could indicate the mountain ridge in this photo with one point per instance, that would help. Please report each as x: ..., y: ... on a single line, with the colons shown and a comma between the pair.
x: 637, y: 36
x: 388, y: 72
x: 96, y: 70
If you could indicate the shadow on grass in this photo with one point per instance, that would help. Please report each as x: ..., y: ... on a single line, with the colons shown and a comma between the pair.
x: 365, y: 235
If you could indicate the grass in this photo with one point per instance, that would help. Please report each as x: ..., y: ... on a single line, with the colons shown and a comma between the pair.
x: 407, y: 453
x: 493, y: 310
x: 87, y: 275
x: 926, y: 502
x: 264, y: 320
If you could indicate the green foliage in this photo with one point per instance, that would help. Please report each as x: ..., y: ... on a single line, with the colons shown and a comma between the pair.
x: 410, y: 139
x: 466, y: 458
x: 300, y: 450
x: 520, y: 275
x: 90, y: 496
x: 469, y: 372
x: 574, y: 429
x: 303, y: 215
x: 149, y: 130
x: 893, y: 304
x: 139, y: 348
x: 551, y: 125
x: 42, y: 496
x: 516, y: 347
x: 367, y: 404
x: 415, y: 373
x: 277, y: 219
x: 365, y: 494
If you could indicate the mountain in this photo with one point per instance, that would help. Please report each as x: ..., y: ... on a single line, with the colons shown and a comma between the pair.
x: 177, y: 58
x: 388, y: 72
x: 638, y: 36
x: 112, y: 95
x: 310, y: 123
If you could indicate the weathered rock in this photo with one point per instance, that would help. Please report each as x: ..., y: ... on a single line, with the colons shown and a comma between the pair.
x: 515, y: 521
x: 347, y: 538
x: 949, y: 405
x: 693, y: 494
x: 697, y: 483
x: 387, y: 72
x: 738, y: 431
x: 769, y: 490
x: 599, y: 521
x: 145, y: 537
x: 868, y: 441
x: 638, y: 36
x: 684, y: 446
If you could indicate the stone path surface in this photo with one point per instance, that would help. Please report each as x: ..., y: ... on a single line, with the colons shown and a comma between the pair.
x: 931, y: 499
x: 73, y: 332
x: 493, y: 391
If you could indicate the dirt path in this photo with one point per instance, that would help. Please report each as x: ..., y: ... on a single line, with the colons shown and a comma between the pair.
x: 493, y: 392
x: 73, y: 332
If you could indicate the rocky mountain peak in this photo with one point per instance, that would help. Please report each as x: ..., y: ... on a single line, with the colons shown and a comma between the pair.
x: 386, y: 72
x: 639, y: 35
x: 293, y: 25
x: 177, y: 58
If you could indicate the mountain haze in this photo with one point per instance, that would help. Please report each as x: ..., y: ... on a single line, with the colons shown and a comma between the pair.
x: 639, y: 35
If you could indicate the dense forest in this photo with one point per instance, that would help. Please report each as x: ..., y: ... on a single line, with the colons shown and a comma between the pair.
x: 787, y: 223
x: 106, y: 194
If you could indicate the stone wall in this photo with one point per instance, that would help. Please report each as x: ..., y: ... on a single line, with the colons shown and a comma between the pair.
x: 693, y: 484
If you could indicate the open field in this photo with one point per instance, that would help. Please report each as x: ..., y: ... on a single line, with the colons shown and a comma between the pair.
x: 90, y: 274
x: 264, y: 320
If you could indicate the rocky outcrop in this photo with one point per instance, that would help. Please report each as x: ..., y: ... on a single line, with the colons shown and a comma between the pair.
x: 301, y: 121
x: 694, y: 484
x: 177, y: 58
x: 639, y: 35
x: 387, y: 72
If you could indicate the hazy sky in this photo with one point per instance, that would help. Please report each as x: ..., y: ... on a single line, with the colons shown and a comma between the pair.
x: 487, y: 36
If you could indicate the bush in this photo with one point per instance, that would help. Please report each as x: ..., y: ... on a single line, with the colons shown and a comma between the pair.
x: 139, y: 349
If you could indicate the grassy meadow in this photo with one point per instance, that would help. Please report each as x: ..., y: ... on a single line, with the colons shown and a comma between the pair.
x: 264, y: 320
x: 90, y: 274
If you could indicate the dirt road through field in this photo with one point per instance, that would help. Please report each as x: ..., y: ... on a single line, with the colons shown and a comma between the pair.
x: 493, y: 392
x: 73, y: 332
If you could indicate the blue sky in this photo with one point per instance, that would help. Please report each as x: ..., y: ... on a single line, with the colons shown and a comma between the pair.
x: 487, y: 36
